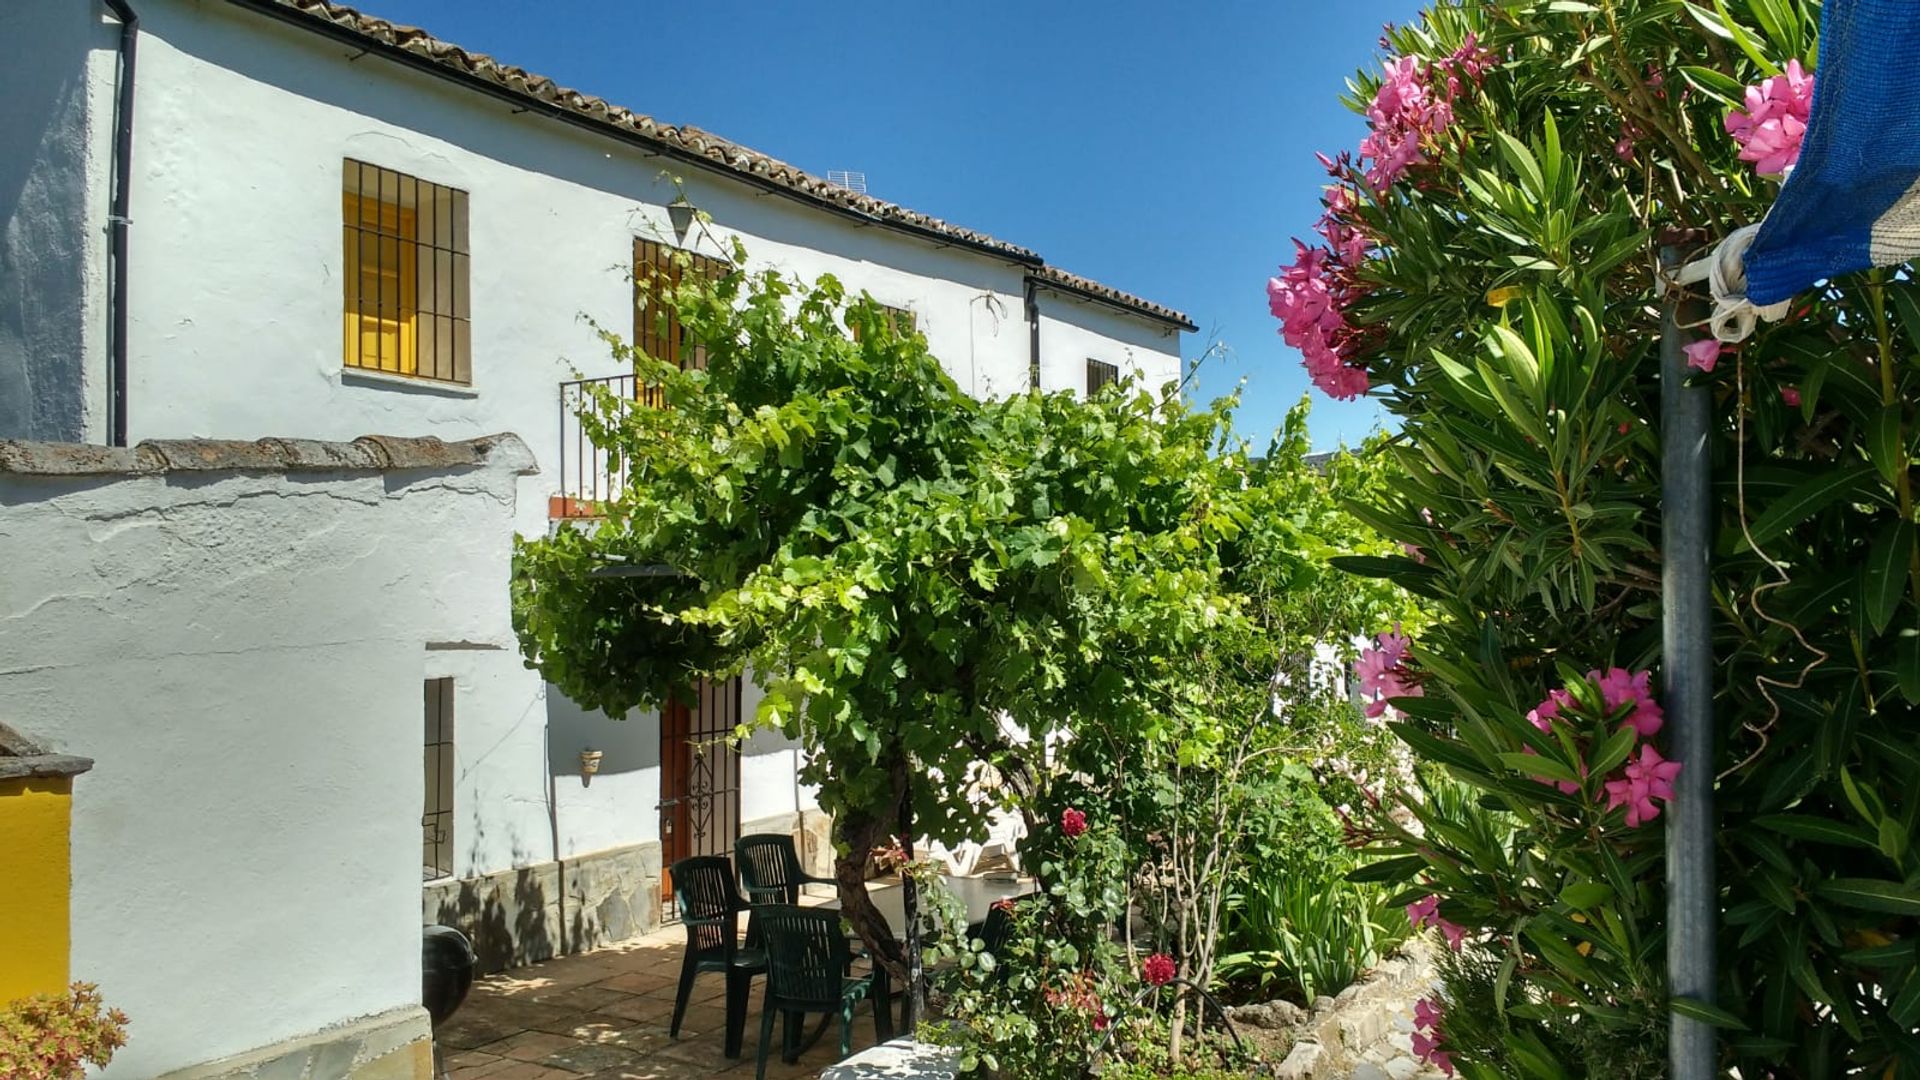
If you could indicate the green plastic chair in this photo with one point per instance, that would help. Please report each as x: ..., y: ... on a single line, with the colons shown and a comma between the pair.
x: 770, y: 870
x: 710, y: 910
x: 807, y: 972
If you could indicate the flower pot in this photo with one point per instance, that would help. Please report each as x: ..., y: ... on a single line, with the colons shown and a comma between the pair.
x: 590, y: 761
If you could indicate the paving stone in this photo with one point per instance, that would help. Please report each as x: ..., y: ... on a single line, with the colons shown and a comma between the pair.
x: 591, y: 1058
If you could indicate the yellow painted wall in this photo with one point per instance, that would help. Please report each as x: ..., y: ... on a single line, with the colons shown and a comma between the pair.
x: 34, y: 880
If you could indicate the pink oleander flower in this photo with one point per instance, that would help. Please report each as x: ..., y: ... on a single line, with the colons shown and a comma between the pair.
x: 1426, y: 1014
x: 1158, y: 970
x: 1543, y: 714
x: 1426, y: 912
x: 1420, y: 911
x: 1072, y: 822
x: 1644, y: 780
x: 1382, y: 671
x: 1620, y: 687
x: 1412, y: 551
x: 1791, y: 396
x: 1771, y: 127
x: 1703, y: 354
x: 1427, y: 1048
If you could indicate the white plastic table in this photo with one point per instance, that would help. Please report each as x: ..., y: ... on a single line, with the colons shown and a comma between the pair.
x: 902, y: 1058
x: 978, y: 893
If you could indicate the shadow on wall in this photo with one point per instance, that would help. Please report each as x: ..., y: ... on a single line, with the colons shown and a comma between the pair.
x: 511, y: 917
x: 44, y: 198
x: 628, y: 745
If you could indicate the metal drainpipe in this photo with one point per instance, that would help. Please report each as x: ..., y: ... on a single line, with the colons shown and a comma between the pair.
x: 1687, y: 645
x: 1033, y: 334
x: 117, y: 222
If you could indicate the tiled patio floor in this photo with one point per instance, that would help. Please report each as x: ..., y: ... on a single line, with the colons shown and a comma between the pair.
x: 604, y: 1014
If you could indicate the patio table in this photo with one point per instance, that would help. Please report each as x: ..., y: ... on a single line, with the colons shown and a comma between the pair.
x: 978, y: 893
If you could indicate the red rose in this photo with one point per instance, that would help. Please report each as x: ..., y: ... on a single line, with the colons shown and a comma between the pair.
x: 1072, y: 822
x: 1158, y: 970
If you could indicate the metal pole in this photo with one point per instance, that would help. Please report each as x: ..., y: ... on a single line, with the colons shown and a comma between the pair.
x: 1687, y: 644
x: 914, y: 1001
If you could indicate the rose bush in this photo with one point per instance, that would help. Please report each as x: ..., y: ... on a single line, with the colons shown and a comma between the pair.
x: 1486, y: 268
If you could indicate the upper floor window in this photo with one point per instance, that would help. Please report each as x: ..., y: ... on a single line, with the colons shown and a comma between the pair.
x: 1099, y: 374
x: 658, y: 269
x: 407, y: 295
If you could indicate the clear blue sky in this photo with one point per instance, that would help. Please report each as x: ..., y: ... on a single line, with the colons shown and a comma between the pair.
x: 1162, y: 149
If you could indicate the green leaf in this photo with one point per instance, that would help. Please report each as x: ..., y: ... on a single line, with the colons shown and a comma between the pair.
x: 1886, y: 572
x: 1521, y: 160
x: 1614, y: 751
x: 1906, y: 664
x: 1818, y: 829
x: 1807, y: 498
x: 1696, y: 1009
x: 1539, y: 765
x: 1585, y: 895
x: 1905, y: 1009
x: 1871, y: 894
x: 1725, y: 87
x: 1883, y: 443
x: 1395, y: 870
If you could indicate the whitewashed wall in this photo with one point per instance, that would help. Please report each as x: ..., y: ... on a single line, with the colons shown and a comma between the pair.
x: 242, y: 125
x: 1074, y: 330
x: 52, y: 227
x: 243, y: 655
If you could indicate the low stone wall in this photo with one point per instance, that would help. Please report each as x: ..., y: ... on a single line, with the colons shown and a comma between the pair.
x: 395, y: 1045
x: 1365, y: 1033
x: 812, y: 832
x: 534, y: 913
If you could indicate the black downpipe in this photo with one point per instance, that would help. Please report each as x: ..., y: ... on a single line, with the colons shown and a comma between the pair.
x: 1033, y: 334
x: 117, y: 222
x: 1686, y: 542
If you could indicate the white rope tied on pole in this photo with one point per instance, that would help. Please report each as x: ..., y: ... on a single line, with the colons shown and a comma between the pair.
x: 1725, y: 272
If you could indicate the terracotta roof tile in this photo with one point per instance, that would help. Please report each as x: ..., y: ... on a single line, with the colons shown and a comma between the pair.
x: 682, y: 140
x: 1074, y: 283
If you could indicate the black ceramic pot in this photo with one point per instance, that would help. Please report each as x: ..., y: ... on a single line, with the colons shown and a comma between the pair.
x: 446, y: 971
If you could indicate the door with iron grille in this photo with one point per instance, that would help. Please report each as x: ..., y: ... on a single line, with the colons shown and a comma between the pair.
x: 699, y: 778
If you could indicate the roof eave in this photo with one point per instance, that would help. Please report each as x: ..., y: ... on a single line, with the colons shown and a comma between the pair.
x: 350, y: 36
x: 1171, y: 318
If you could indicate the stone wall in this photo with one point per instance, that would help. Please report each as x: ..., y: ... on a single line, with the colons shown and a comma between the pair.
x: 396, y: 1045
x: 1364, y: 1033
x: 522, y: 916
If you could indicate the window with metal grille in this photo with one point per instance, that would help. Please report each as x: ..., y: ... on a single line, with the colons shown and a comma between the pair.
x: 1099, y: 374
x: 899, y: 320
x: 658, y: 269
x: 407, y: 299
x: 436, y: 821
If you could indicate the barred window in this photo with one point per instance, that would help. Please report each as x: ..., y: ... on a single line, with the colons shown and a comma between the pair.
x: 1099, y: 374
x: 407, y: 299
x: 657, y: 270
x: 436, y: 820
x: 899, y: 320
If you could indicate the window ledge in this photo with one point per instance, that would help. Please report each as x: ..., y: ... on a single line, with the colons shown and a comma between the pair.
x: 380, y: 380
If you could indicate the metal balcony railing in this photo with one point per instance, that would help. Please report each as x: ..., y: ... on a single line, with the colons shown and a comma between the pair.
x: 587, y: 476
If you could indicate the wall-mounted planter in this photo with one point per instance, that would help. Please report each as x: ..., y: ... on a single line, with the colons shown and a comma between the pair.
x: 590, y: 762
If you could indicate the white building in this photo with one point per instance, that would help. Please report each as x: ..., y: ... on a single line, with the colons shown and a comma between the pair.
x: 332, y: 225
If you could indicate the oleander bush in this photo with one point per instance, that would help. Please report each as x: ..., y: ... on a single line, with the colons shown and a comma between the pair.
x: 1486, y: 268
